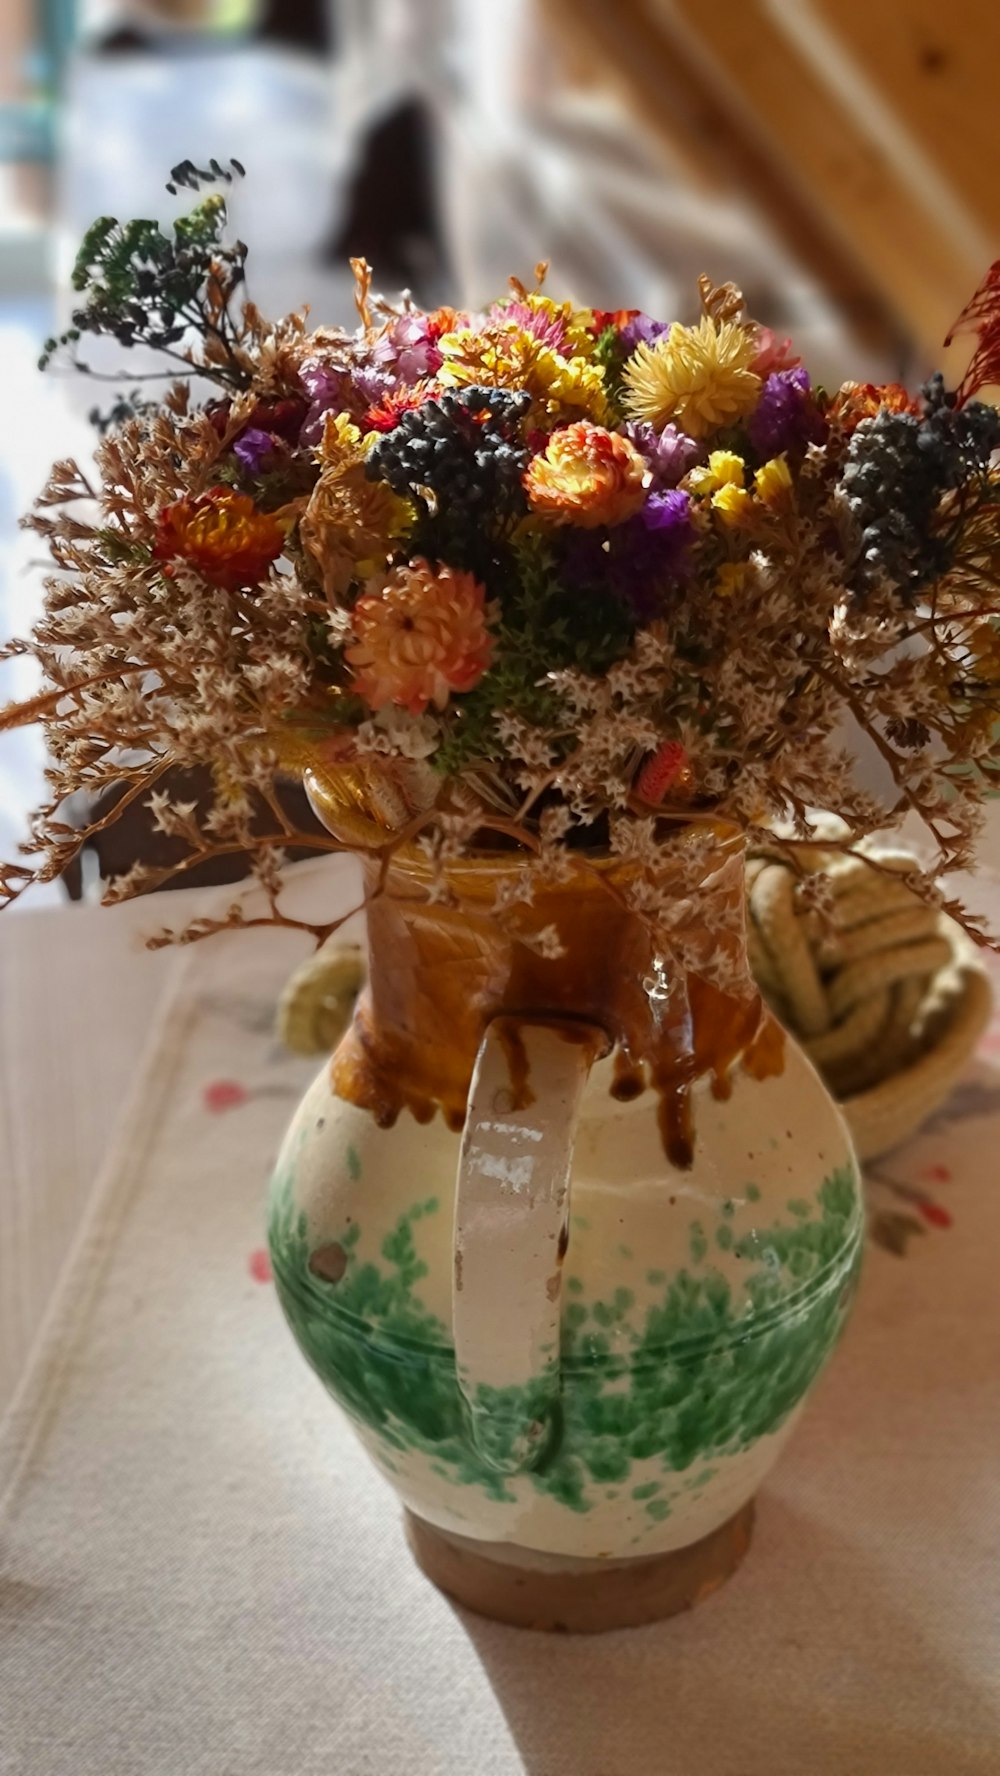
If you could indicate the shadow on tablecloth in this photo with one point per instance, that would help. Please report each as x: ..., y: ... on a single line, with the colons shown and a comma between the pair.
x: 805, y: 1664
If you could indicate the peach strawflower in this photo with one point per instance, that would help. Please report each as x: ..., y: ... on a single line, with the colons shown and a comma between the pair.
x: 587, y: 476
x: 222, y: 535
x: 419, y: 636
x: 701, y: 377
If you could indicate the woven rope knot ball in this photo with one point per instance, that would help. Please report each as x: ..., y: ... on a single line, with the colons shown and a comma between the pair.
x: 318, y: 1001
x: 881, y: 990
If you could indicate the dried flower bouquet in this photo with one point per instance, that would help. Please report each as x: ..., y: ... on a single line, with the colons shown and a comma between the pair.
x: 538, y: 577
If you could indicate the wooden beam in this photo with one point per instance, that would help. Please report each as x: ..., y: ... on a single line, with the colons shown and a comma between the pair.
x: 818, y: 145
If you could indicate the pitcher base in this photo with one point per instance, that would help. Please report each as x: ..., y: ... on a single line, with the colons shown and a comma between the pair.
x: 577, y: 1596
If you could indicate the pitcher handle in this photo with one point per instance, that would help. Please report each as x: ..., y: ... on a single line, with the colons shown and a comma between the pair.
x: 512, y: 1229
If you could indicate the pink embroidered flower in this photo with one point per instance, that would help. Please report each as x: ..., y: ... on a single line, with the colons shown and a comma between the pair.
x: 421, y: 635
x: 224, y: 1094
x: 259, y: 1265
x: 936, y: 1214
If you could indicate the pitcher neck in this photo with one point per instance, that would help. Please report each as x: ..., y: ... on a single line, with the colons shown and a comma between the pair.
x: 580, y: 950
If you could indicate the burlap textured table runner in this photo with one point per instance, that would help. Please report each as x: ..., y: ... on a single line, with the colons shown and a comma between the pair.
x: 203, y: 1576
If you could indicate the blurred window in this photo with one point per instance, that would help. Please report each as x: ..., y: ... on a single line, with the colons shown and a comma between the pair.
x: 35, y: 39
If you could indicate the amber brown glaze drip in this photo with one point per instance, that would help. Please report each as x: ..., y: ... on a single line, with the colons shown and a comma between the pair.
x: 512, y: 1042
x: 440, y: 974
x: 628, y: 1080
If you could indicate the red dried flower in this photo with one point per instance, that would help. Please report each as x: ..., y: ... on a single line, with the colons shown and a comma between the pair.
x: 283, y: 416
x: 666, y: 768
x: 441, y: 321
x: 386, y: 414
x: 611, y: 317
x: 222, y: 535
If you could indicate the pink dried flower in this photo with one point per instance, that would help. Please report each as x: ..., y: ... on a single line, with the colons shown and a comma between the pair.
x: 419, y: 637
x: 773, y: 354
x: 408, y: 348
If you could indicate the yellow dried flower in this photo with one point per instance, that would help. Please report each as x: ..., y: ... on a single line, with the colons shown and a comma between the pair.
x: 349, y: 526
x: 566, y: 329
x: 732, y: 503
x: 570, y: 383
x: 342, y: 444
x: 701, y: 377
x: 773, y: 482
x: 731, y: 578
x: 508, y: 356
x: 723, y: 469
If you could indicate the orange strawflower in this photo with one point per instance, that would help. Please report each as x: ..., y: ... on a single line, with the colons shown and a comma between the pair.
x: 421, y: 635
x: 856, y: 401
x: 587, y: 476
x: 222, y: 535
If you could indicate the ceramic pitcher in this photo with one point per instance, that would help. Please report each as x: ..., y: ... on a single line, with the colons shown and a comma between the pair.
x: 569, y: 1232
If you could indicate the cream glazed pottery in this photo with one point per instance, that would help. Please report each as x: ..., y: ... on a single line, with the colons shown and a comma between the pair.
x: 569, y: 1239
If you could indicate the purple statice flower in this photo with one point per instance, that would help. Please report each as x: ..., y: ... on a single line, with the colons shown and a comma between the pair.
x: 252, y: 448
x: 638, y: 560
x: 667, y: 516
x: 406, y: 349
x: 669, y: 453
x: 786, y: 416
x: 322, y: 382
x: 371, y: 385
x: 642, y: 329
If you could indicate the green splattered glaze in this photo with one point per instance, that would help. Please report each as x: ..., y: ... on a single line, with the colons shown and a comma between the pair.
x: 703, y: 1372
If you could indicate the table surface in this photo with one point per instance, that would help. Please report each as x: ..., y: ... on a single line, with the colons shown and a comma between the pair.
x: 201, y: 1574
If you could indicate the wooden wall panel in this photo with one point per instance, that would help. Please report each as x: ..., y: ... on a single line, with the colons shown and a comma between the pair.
x: 937, y: 67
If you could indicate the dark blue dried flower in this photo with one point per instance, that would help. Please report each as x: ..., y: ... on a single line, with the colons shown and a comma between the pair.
x: 898, y: 468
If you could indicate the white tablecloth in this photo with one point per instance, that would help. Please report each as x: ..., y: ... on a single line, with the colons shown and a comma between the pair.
x: 203, y: 1576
